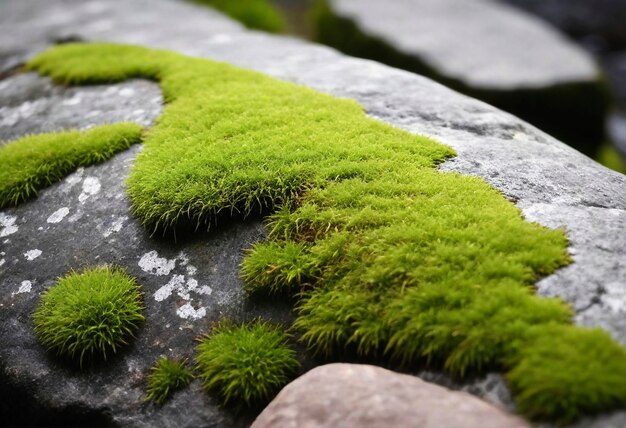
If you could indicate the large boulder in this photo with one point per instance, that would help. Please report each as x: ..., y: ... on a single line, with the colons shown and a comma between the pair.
x: 488, y: 50
x: 362, y: 396
x: 85, y: 219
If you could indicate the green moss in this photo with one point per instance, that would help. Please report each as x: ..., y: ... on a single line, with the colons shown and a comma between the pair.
x: 34, y: 162
x: 246, y: 364
x: 255, y: 14
x: 384, y: 253
x: 610, y: 157
x: 166, y: 377
x: 564, y: 373
x: 89, y: 315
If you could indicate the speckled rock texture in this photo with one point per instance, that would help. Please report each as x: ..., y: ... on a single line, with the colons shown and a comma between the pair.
x: 362, y: 396
x: 485, y: 49
x: 85, y: 219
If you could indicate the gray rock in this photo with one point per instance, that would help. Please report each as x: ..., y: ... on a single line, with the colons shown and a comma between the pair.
x: 552, y: 183
x: 582, y: 18
x: 361, y: 396
x: 482, y: 48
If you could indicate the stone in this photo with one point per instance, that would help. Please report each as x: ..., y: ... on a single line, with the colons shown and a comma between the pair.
x: 552, y: 184
x: 601, y: 19
x: 363, y: 396
x: 482, y: 48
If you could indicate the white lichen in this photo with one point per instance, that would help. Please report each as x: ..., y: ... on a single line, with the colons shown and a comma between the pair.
x: 25, y: 287
x: 91, y: 186
x: 58, y: 215
x: 32, y: 254
x: 155, y: 265
x: 8, y: 225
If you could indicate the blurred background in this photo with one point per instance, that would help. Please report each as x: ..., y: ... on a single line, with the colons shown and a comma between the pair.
x: 559, y: 64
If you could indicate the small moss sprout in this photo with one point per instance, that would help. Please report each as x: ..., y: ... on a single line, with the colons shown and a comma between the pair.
x: 166, y: 377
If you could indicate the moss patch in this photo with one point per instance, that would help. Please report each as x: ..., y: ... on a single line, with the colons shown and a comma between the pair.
x: 166, y: 377
x: 255, y: 14
x: 36, y: 161
x: 89, y: 315
x: 384, y: 253
x: 246, y: 364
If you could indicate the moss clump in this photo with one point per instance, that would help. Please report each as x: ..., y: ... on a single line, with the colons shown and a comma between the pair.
x: 384, y: 253
x: 246, y: 364
x: 89, y: 315
x: 564, y: 373
x: 255, y: 14
x: 36, y: 161
x: 166, y: 377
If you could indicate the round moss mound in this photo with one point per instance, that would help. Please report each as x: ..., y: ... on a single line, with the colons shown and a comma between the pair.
x: 89, y: 315
x: 166, y: 377
x: 246, y: 364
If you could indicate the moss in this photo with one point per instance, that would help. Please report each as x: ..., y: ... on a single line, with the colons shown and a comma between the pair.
x: 89, y: 315
x: 611, y: 158
x: 166, y: 377
x: 384, y: 253
x: 36, y: 161
x: 246, y: 364
x: 572, y: 112
x: 255, y: 14
x: 543, y: 380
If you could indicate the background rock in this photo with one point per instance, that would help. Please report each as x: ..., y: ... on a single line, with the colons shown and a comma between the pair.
x: 552, y: 183
x: 360, y: 396
x: 484, y: 49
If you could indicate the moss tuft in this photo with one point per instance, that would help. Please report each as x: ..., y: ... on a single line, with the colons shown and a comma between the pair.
x: 166, y: 377
x: 36, y: 161
x: 89, y: 315
x: 255, y: 14
x: 246, y: 364
x: 563, y: 373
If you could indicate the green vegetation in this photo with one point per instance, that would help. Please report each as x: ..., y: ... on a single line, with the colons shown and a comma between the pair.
x: 89, y: 315
x: 563, y: 373
x: 246, y: 364
x: 385, y: 254
x: 166, y: 377
x: 610, y: 157
x: 36, y: 161
x: 255, y: 14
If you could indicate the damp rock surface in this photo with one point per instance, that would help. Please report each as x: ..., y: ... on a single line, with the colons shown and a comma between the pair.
x: 85, y: 219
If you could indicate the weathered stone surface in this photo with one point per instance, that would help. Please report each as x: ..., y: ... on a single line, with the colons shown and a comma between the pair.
x: 351, y: 395
x: 482, y: 48
x: 552, y: 183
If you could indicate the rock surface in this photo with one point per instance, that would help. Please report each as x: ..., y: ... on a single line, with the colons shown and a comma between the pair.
x: 361, y: 396
x: 482, y: 48
x: 74, y: 225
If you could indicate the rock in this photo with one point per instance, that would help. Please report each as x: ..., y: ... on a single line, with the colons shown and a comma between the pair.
x: 552, y: 183
x: 603, y: 19
x: 351, y: 395
x: 485, y: 49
